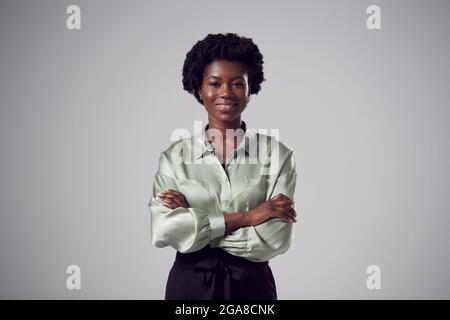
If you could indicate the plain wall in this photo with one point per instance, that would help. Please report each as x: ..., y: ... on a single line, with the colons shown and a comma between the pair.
x: 85, y: 114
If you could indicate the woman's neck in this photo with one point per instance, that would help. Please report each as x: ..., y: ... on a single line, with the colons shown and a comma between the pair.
x: 222, y: 127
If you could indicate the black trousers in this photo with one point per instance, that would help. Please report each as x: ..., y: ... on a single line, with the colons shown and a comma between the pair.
x: 212, y: 273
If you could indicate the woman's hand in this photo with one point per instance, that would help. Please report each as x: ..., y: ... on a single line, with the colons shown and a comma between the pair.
x: 173, y: 199
x: 279, y: 206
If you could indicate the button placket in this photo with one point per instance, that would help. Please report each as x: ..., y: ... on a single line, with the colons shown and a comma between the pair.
x: 226, y: 193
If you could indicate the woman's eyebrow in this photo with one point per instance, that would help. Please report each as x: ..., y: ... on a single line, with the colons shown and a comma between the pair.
x: 237, y: 77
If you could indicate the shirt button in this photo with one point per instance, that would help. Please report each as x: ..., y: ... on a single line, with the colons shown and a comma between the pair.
x: 227, y: 203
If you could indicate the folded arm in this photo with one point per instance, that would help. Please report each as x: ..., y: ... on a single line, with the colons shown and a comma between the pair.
x: 183, y: 228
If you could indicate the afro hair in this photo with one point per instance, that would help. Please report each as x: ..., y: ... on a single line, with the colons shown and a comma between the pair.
x: 227, y: 46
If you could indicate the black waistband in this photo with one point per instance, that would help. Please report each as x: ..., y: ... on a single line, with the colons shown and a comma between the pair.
x: 192, y: 258
x: 219, y: 270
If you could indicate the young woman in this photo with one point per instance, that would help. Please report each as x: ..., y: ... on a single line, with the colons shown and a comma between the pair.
x: 223, y: 198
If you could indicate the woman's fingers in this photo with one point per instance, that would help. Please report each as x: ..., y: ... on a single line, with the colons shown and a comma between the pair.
x: 283, y: 206
x: 167, y: 198
x: 291, y: 214
x: 168, y: 195
x: 282, y: 199
x: 166, y: 202
x: 286, y: 212
x: 172, y: 192
x: 172, y: 198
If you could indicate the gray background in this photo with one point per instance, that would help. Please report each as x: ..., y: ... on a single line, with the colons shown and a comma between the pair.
x: 85, y: 114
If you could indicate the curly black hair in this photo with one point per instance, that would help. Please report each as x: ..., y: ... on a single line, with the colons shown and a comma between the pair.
x: 227, y: 46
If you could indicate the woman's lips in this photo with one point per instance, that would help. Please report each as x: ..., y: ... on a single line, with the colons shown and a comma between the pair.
x: 226, y: 107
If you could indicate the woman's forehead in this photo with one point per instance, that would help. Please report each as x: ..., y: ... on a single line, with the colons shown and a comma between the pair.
x: 224, y: 68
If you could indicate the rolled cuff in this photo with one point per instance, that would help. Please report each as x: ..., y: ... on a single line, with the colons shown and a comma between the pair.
x: 217, y: 224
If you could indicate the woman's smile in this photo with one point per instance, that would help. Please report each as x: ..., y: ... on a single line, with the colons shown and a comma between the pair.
x: 226, y: 107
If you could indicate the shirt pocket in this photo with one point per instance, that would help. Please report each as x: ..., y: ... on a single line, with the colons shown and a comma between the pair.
x: 196, y: 192
x: 255, y: 191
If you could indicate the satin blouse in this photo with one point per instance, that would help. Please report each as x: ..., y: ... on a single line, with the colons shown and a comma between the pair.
x: 260, y: 168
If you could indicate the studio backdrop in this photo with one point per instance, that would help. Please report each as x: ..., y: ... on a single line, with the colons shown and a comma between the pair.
x: 91, y: 92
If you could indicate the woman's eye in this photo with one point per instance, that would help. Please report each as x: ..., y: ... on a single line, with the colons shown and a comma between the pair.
x: 217, y: 84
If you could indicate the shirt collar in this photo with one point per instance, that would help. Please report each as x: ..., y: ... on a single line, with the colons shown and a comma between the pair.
x: 203, y: 146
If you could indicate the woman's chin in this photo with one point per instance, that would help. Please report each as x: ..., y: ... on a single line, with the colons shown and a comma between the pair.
x: 228, y: 117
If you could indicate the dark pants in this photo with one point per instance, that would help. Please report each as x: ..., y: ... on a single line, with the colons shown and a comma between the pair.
x: 212, y: 273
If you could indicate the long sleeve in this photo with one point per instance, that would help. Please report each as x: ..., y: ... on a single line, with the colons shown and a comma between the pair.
x: 274, y: 236
x: 184, y: 229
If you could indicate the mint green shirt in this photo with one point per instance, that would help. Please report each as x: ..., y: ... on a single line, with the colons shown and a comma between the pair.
x: 259, y: 169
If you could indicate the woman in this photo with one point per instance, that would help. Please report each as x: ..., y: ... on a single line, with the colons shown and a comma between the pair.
x: 223, y: 197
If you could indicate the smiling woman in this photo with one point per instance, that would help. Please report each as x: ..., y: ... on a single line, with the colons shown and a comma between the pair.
x: 224, y: 94
x: 227, y: 216
x: 224, y: 90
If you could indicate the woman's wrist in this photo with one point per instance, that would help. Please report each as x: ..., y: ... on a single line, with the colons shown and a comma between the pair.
x: 236, y: 220
x: 248, y: 218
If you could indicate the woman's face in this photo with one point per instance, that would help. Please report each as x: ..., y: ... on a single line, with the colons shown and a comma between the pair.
x: 224, y: 91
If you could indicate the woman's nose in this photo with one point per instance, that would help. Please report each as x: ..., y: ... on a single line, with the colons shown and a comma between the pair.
x: 225, y: 90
